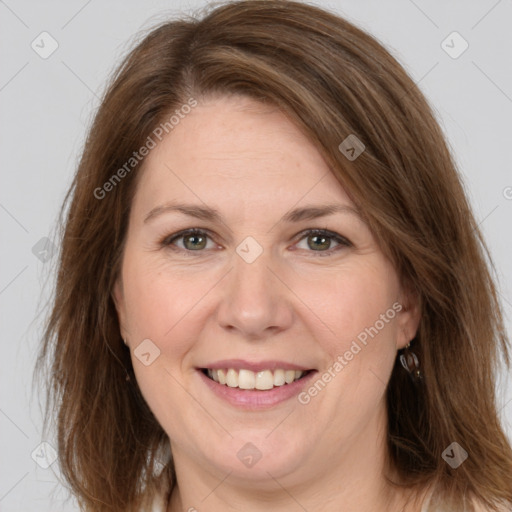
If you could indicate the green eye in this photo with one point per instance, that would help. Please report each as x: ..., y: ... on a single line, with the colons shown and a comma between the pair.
x: 317, y: 240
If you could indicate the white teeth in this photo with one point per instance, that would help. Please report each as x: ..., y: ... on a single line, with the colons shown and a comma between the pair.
x: 247, y: 379
x: 289, y: 376
x: 264, y: 380
x: 232, y: 378
x: 221, y: 375
x: 279, y: 377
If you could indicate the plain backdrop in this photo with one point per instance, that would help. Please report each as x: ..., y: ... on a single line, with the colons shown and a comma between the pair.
x: 47, y: 103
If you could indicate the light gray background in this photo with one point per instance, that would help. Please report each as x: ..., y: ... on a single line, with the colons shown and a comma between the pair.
x: 47, y: 104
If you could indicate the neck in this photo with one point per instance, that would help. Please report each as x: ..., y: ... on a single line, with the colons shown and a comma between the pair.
x: 352, y: 480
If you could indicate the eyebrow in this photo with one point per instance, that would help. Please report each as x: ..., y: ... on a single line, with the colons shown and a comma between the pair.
x: 211, y: 214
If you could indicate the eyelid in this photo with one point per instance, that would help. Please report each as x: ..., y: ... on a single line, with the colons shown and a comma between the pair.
x: 168, y: 240
x: 339, y: 239
x: 342, y: 241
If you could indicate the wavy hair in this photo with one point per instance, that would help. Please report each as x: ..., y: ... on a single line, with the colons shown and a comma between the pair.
x: 332, y: 80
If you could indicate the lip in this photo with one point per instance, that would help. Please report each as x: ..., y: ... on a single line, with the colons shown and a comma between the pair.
x: 241, y: 364
x: 248, y: 399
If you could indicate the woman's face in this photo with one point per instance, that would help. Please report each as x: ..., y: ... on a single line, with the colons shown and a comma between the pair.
x: 256, y: 298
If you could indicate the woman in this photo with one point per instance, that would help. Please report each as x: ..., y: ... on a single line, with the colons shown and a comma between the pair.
x: 268, y: 216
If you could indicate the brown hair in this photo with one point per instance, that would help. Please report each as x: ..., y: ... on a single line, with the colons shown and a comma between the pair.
x: 332, y: 80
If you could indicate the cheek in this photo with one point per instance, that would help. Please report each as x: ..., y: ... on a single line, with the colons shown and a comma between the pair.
x: 154, y: 308
x: 161, y: 307
x: 170, y: 305
x: 357, y: 330
x: 349, y: 303
x: 157, y: 300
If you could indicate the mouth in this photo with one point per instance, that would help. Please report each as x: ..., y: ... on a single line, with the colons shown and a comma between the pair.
x: 263, y: 386
x: 245, y: 379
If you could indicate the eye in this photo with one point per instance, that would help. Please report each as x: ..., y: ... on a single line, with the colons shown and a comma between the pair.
x: 319, y: 239
x: 195, y: 240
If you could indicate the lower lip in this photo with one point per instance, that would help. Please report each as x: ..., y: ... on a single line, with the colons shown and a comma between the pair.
x: 257, y: 399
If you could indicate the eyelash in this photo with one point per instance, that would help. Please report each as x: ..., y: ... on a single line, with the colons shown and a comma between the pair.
x: 343, y: 242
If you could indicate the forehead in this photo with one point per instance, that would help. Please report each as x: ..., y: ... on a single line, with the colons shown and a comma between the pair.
x: 234, y: 152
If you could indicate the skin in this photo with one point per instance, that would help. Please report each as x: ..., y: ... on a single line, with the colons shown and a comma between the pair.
x: 295, y: 303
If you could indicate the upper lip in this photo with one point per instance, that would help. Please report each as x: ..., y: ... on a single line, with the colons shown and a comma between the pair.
x: 255, y: 366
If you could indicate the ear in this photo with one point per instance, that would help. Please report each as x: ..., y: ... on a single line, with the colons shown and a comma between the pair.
x: 119, y: 302
x: 408, y: 317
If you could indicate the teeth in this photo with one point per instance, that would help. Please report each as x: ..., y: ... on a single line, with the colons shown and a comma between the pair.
x: 264, y: 380
x: 232, y: 378
x: 247, y: 379
x: 289, y: 376
x: 279, y: 379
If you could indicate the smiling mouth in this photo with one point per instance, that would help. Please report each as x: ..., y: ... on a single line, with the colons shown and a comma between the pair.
x: 249, y: 380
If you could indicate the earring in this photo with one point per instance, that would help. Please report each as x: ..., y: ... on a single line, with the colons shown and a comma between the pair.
x: 125, y: 342
x: 411, y: 363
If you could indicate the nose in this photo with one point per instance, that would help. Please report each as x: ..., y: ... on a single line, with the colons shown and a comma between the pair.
x: 255, y: 303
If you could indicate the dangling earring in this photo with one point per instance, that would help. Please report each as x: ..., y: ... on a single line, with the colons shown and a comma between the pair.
x: 411, y: 363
